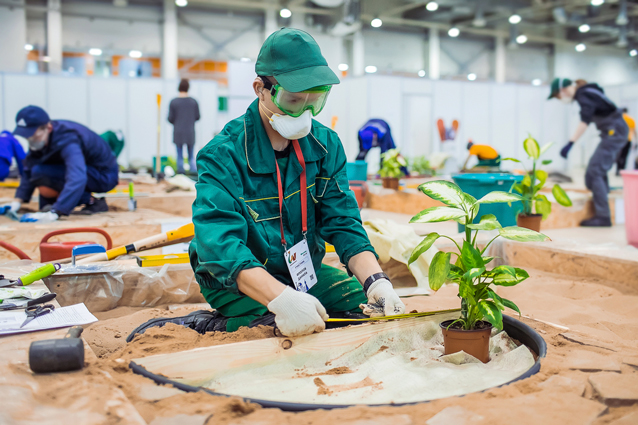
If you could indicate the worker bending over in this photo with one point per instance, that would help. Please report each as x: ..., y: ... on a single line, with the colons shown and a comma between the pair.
x: 10, y: 150
x: 597, y: 108
x: 487, y: 155
x: 272, y: 190
x: 66, y: 162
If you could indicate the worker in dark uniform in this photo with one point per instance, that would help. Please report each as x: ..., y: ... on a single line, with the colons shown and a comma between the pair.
x: 66, y: 162
x: 10, y: 150
x: 597, y: 108
x: 376, y: 133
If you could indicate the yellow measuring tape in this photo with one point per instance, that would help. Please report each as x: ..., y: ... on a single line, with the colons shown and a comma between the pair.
x: 397, y: 316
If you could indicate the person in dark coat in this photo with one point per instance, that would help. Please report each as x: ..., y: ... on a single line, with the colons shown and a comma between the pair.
x: 597, y: 108
x: 183, y: 112
x: 66, y: 162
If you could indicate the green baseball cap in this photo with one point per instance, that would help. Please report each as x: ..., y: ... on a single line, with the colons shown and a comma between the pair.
x: 294, y: 58
x: 557, y: 84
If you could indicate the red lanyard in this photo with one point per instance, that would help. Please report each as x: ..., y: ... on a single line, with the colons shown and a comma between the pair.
x: 302, y: 192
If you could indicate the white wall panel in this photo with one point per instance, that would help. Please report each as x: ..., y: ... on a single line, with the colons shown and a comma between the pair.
x: 142, y: 129
x: 448, y: 106
x: 476, y: 113
x: 529, y: 108
x: 108, y: 109
x: 385, y: 101
x: 67, y: 99
x: 205, y: 92
x: 504, y: 121
x: 20, y: 91
x: 555, y: 130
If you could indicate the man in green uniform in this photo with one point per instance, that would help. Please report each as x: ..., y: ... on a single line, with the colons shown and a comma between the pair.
x: 272, y: 189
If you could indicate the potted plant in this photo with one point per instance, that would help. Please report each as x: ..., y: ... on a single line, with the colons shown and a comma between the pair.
x: 392, y: 168
x: 421, y: 166
x: 536, y: 206
x: 481, y: 307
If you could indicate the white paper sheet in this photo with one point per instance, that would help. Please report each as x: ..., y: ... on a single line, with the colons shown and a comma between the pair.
x: 61, y: 317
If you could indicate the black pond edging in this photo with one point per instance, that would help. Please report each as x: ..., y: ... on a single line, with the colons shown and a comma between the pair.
x: 514, y: 328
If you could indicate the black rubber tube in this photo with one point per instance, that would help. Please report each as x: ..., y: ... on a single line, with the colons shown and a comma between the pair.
x: 514, y: 328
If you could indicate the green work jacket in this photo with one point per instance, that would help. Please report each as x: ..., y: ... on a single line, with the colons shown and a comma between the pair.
x: 236, y: 212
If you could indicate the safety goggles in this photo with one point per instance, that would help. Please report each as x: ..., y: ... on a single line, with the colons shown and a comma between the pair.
x: 296, y: 103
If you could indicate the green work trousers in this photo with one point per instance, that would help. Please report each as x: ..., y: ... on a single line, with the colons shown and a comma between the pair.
x: 336, y: 291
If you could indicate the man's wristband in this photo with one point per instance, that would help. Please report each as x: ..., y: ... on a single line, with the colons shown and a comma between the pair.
x: 369, y: 281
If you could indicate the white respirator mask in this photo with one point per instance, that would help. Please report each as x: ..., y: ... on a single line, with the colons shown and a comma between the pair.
x: 290, y: 127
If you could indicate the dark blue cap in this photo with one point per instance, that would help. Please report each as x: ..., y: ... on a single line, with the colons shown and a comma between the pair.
x: 29, y: 119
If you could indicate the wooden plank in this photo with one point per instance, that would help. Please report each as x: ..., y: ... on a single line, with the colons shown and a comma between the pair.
x: 197, y: 367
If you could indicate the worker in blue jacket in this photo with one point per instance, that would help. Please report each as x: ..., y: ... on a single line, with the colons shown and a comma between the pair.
x: 66, y: 162
x: 376, y: 133
x: 10, y: 150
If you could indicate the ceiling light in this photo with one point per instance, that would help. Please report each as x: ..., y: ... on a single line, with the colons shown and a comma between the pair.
x: 46, y: 59
x: 181, y: 3
x: 515, y: 19
x: 471, y: 76
x: 135, y: 54
x: 371, y: 69
x: 285, y: 13
x: 432, y: 6
x: 421, y: 73
x: 521, y: 39
x: 536, y: 82
x: 633, y: 53
x: 244, y: 59
x: 28, y: 47
x: 94, y: 51
x: 376, y: 22
x: 597, y: 2
x: 343, y: 67
x: 453, y: 32
x: 580, y: 47
x: 584, y: 28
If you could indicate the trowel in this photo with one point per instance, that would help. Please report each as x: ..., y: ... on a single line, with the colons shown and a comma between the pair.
x: 37, y: 274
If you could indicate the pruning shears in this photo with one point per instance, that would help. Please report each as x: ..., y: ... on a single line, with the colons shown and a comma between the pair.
x: 27, y: 303
x: 37, y: 274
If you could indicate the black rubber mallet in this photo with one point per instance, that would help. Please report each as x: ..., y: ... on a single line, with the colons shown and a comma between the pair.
x: 58, y: 355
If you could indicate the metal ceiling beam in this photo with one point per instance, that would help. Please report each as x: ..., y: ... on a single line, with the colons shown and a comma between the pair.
x: 388, y: 20
x: 261, y: 6
x: 399, y: 10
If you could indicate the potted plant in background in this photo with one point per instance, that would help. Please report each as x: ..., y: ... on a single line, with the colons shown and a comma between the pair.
x: 421, y: 166
x: 481, y: 307
x: 392, y: 168
x: 536, y: 206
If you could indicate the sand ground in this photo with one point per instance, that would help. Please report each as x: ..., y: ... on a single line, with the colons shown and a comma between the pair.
x: 592, y: 343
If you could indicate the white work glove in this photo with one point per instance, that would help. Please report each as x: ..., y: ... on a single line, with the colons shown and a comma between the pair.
x: 39, y: 217
x: 298, y: 313
x: 14, y: 207
x: 382, y: 300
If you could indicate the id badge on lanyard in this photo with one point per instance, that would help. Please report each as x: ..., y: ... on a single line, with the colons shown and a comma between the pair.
x: 298, y: 257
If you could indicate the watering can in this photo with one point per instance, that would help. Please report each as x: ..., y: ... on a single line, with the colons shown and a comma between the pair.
x: 50, y: 251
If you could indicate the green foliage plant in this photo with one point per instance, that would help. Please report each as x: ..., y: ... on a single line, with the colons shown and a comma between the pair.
x: 421, y: 166
x: 469, y: 269
x: 534, y: 181
x: 392, y: 163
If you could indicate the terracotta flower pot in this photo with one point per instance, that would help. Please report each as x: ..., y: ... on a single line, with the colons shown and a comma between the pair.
x: 532, y: 221
x: 390, y: 183
x: 475, y: 342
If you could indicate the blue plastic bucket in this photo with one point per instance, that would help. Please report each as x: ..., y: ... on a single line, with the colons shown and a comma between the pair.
x: 357, y: 170
x: 479, y: 185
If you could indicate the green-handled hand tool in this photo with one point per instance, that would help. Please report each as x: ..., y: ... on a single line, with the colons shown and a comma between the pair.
x: 397, y: 316
x: 37, y: 274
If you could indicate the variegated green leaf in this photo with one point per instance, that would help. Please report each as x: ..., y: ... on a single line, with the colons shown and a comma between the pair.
x: 471, y: 257
x: 439, y: 269
x: 561, y: 196
x: 522, y: 234
x: 491, y: 312
x: 472, y: 274
x: 541, y: 178
x: 444, y: 191
x: 425, y: 244
x: 488, y: 222
x: 543, y: 206
x: 503, y: 270
x: 455, y: 274
x: 466, y: 291
x: 506, y: 279
x: 547, y: 161
x: 437, y: 214
x: 497, y: 300
x: 532, y: 148
x: 488, y: 260
x: 544, y: 148
x: 510, y: 159
x: 499, y: 197
x: 509, y: 304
